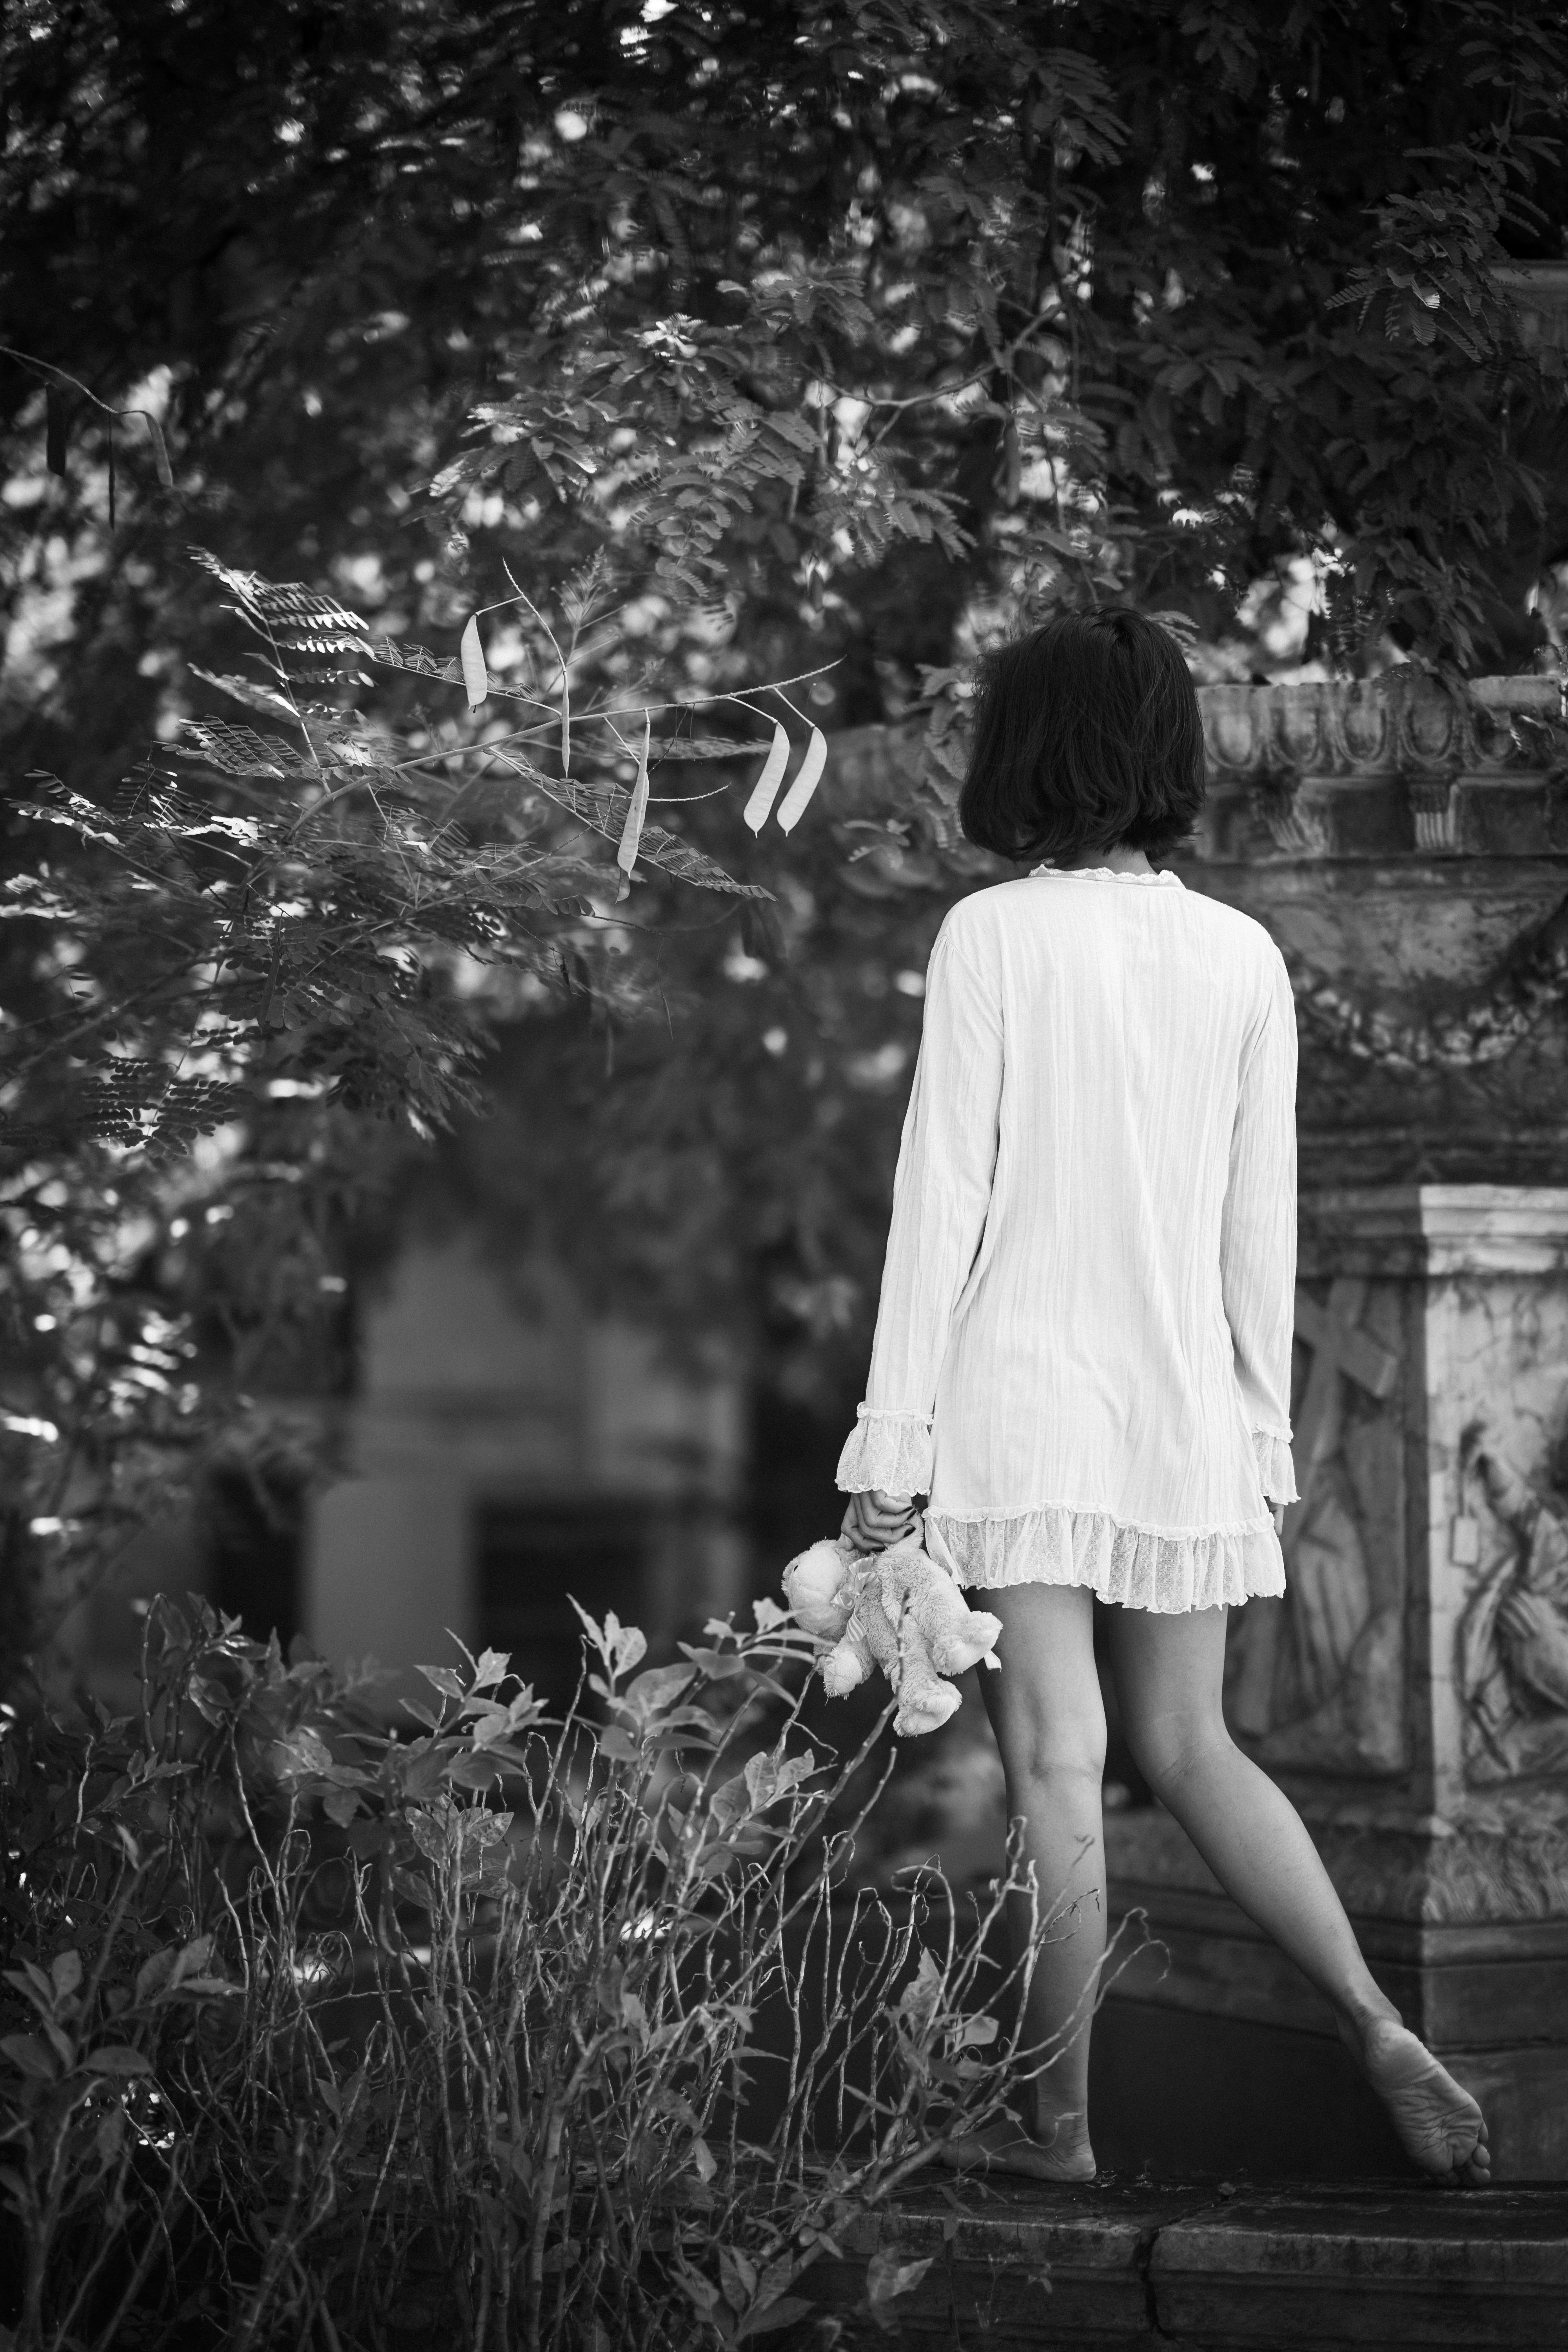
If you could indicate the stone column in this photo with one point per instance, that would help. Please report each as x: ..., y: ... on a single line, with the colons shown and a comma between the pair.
x: 1411, y: 1690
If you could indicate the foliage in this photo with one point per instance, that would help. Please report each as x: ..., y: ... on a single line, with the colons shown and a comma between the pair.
x: 458, y: 2036
x: 811, y: 343
x: 325, y: 920
x: 1131, y: 296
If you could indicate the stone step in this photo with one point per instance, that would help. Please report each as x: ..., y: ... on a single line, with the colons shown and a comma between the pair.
x: 1375, y: 2267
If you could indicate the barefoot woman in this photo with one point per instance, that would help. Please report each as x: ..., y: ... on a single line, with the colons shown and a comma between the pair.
x: 1083, y: 1355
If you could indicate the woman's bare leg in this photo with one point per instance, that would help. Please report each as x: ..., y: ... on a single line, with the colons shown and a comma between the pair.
x: 1169, y: 1671
x: 1045, y: 1709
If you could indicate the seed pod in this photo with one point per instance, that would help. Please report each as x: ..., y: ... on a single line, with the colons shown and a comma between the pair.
x: 792, y: 807
x: 159, y: 450
x: 631, y: 832
x: 755, y: 811
x: 471, y: 654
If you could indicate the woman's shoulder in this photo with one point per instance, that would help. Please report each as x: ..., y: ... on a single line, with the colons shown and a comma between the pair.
x: 986, y: 913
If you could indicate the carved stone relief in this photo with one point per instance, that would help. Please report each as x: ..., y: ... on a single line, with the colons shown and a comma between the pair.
x: 1316, y: 1680
x: 1513, y: 1633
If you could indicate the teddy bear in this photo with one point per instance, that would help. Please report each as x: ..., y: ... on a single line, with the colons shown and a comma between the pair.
x: 897, y: 1609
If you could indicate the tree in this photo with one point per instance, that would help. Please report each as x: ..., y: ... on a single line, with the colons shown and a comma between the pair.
x: 754, y: 344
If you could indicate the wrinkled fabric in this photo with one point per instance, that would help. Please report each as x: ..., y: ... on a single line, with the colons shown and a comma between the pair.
x: 1082, y: 1354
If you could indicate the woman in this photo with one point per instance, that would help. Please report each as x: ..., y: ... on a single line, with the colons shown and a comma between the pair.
x: 1083, y: 1355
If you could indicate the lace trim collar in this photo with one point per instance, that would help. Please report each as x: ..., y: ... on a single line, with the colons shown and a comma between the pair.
x: 1103, y: 874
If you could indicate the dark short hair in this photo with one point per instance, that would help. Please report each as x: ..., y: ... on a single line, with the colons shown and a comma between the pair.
x: 1087, y: 736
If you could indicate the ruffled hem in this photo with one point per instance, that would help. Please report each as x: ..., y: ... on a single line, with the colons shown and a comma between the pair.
x: 1276, y: 1465
x: 1166, y: 1569
x: 890, y: 1450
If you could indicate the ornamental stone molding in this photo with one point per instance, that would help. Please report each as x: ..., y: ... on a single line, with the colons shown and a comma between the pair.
x: 1383, y: 767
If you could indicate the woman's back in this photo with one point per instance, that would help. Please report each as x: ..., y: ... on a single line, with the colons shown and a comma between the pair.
x: 1094, y: 1242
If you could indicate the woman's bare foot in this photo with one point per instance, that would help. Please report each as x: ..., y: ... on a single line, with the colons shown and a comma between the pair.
x: 1061, y: 2152
x: 1443, y: 2129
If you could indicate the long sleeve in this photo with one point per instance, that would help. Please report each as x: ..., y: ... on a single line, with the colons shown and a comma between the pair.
x: 1257, y: 1235
x: 941, y: 1189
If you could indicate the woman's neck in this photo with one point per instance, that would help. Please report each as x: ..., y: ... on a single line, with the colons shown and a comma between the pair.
x: 1120, y: 860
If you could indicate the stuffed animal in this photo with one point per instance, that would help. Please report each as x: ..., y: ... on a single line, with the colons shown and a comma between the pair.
x: 894, y: 1609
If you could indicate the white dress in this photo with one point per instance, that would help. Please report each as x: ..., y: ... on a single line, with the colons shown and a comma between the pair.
x: 1082, y: 1354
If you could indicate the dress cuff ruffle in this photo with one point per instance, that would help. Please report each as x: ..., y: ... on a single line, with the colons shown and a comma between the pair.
x: 1276, y: 1467
x: 890, y: 1450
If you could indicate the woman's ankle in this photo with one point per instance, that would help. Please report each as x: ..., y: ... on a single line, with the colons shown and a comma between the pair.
x: 1056, y: 2126
x: 1359, y: 2019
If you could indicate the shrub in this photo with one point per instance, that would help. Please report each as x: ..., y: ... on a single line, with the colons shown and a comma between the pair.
x: 498, y: 2031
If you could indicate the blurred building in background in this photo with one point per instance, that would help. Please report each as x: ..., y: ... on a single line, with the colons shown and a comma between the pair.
x: 506, y: 1455
x: 500, y: 1454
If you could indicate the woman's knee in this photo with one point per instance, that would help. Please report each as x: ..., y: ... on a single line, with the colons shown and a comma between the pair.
x: 1046, y: 1704
x: 1171, y: 1747
x: 1041, y: 1746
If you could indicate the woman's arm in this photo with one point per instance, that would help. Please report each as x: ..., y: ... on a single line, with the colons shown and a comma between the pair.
x: 1257, y: 1235
x: 941, y: 1189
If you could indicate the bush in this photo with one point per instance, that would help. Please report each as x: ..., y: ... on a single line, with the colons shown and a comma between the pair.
x: 322, y: 2031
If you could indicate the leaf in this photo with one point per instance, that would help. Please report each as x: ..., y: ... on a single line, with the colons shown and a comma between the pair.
x: 618, y: 1745
x: 737, y: 2278
x: 792, y: 807
x: 117, y: 2060
x: 886, y: 2277
x: 154, y: 1975
x: 656, y: 1689
x: 302, y: 1751
x: 702, y: 2160
x: 271, y: 704
x: 755, y: 812
x: 782, y: 2314
x: 32, y: 1980
x: 624, y: 1644
x: 471, y: 655
x: 65, y: 1972
x: 30, y: 2054
x: 700, y: 2290
x: 445, y: 1679
x: 191, y: 1958
x: 626, y: 854
x: 241, y: 751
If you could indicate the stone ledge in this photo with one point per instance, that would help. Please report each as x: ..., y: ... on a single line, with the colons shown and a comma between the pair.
x: 1376, y: 2266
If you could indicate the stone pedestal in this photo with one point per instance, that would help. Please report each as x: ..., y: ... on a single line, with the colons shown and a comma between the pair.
x: 1411, y: 1690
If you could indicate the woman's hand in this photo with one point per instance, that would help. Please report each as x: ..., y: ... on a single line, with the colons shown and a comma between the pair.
x: 874, y: 1520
